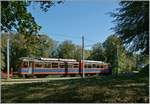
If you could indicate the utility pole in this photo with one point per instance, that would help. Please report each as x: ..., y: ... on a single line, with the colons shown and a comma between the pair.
x: 8, y: 71
x: 83, y: 74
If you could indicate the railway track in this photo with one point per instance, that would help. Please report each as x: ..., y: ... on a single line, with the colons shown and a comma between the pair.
x: 21, y: 81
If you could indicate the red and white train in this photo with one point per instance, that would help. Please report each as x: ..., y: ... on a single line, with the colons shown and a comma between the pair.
x: 49, y: 66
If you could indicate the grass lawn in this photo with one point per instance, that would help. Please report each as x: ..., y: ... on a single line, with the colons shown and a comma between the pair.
x: 122, y: 89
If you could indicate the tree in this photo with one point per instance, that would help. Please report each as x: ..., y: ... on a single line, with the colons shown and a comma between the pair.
x: 87, y: 54
x: 15, y: 16
x: 98, y: 52
x: 25, y: 47
x: 68, y: 50
x: 77, y: 52
x: 132, y: 27
x: 117, y: 55
x: 45, y: 46
x: 3, y: 50
x: 141, y: 61
x: 111, y: 45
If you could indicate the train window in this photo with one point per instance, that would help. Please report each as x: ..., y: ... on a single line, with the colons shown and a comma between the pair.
x: 102, y: 66
x: 94, y: 65
x: 47, y: 65
x: 76, y: 65
x: 38, y: 65
x: 98, y: 66
x: 69, y: 65
x: 89, y: 66
x: 62, y: 65
x: 25, y: 64
x: 85, y: 66
x: 54, y: 65
x: 106, y: 66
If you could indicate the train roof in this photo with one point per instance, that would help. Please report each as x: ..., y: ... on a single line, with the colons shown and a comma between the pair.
x: 58, y: 59
x: 96, y: 62
x: 92, y: 61
x: 46, y: 59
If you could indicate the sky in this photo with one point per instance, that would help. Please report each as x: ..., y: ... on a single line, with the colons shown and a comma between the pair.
x: 74, y: 18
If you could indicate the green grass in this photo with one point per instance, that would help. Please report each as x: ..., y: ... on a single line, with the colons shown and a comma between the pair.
x: 122, y: 89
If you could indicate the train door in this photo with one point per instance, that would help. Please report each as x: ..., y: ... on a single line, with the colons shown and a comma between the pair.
x: 29, y: 67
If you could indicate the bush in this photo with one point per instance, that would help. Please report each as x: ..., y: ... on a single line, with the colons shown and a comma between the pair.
x: 145, y: 70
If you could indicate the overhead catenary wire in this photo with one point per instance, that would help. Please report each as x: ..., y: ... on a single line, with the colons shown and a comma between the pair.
x: 68, y: 37
x: 64, y: 35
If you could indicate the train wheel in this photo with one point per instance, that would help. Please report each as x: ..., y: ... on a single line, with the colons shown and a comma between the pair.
x: 90, y: 75
x: 34, y: 76
x: 40, y: 75
x: 72, y: 75
x: 66, y: 75
x: 86, y: 75
x: 24, y: 76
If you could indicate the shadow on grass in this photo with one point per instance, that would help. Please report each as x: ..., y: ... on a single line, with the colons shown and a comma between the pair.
x: 97, y: 90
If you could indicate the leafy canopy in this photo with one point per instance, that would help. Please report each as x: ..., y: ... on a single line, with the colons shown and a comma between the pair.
x: 15, y: 16
x: 132, y: 25
x: 41, y: 46
x: 98, y: 52
x: 116, y: 54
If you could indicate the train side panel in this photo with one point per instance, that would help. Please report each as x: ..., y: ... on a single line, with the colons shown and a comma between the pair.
x: 60, y: 67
